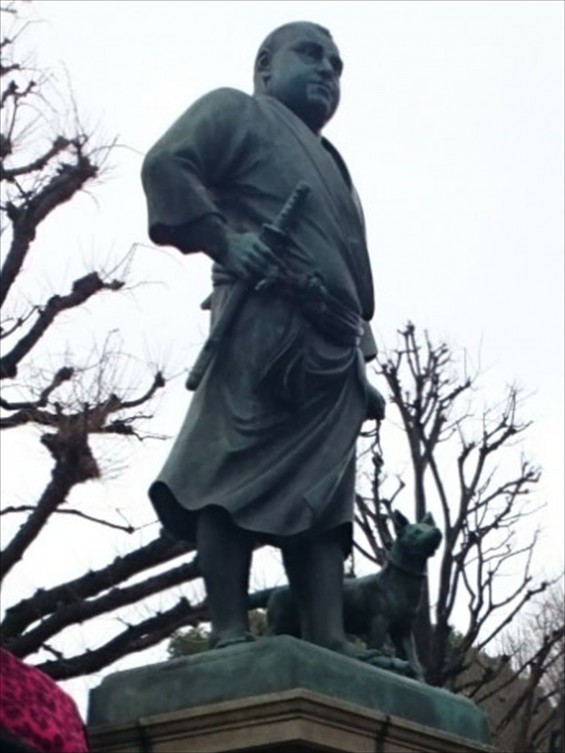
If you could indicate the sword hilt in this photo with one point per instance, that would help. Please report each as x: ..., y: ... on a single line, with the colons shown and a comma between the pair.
x: 276, y: 232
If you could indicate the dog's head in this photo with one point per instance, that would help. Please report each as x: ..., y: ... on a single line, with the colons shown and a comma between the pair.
x: 416, y: 541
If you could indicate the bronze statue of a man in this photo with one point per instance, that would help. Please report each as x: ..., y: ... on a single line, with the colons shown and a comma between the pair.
x: 267, y: 450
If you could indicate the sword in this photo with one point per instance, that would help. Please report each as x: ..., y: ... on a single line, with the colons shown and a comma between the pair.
x: 274, y: 234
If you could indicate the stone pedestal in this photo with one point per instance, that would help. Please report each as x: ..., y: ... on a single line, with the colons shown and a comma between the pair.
x: 279, y: 694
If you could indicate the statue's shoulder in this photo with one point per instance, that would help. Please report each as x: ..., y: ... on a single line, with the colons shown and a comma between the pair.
x: 225, y: 98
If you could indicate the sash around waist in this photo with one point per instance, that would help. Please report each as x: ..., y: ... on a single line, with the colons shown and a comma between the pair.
x: 332, y: 318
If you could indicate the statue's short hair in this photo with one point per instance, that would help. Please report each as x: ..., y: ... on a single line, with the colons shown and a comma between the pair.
x: 273, y: 41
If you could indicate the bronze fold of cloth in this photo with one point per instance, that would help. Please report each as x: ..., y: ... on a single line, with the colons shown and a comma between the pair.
x: 273, y: 444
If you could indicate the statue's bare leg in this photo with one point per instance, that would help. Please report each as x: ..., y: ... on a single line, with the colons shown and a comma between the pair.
x: 224, y: 555
x: 315, y: 575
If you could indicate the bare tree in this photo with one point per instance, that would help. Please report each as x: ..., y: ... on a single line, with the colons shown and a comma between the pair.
x: 45, y: 164
x: 522, y: 687
x: 480, y: 496
x: 530, y: 714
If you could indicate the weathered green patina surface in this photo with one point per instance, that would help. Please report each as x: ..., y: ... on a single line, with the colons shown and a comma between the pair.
x: 271, y: 431
x: 267, y: 449
x: 273, y: 665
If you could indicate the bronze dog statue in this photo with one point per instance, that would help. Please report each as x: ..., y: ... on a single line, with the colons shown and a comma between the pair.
x: 380, y: 605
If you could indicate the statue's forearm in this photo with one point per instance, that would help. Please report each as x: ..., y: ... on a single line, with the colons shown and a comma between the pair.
x: 181, y: 211
x: 207, y: 234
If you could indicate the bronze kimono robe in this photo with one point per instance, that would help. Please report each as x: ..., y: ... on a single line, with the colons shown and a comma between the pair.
x: 270, y: 432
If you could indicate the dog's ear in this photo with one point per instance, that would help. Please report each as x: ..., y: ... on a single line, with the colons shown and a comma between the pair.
x: 399, y: 521
x: 428, y: 519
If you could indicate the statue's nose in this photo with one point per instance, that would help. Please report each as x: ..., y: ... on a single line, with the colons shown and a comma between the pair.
x: 325, y: 66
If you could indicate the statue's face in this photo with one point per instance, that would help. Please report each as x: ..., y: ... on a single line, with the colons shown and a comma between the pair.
x: 304, y: 74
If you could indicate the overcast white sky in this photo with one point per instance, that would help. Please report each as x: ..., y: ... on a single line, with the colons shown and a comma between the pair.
x: 451, y: 122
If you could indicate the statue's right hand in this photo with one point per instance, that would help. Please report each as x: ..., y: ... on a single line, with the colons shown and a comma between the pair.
x: 376, y: 404
x: 247, y: 256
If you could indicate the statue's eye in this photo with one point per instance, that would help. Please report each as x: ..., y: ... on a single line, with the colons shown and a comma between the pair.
x: 337, y: 65
x: 310, y: 52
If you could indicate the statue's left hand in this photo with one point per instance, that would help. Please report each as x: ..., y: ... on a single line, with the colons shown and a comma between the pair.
x: 376, y: 404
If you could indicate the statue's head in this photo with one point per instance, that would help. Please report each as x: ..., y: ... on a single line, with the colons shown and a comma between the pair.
x: 299, y: 64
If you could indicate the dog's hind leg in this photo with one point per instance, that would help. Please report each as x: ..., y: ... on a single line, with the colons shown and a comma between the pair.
x: 377, y: 633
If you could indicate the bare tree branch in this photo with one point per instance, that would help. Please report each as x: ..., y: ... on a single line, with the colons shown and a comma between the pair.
x: 28, y: 508
x: 45, y: 601
x: 134, y: 638
x: 82, y: 290
x: 38, y: 163
x: 62, y: 375
x: 74, y: 463
x: 27, y: 217
x: 79, y: 611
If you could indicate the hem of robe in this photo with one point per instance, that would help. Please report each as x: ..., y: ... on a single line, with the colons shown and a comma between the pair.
x: 181, y: 523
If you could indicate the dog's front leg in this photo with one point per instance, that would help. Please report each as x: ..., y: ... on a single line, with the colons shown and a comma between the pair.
x: 405, y: 646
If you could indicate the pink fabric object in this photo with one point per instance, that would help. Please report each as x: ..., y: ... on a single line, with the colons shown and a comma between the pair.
x: 35, y: 710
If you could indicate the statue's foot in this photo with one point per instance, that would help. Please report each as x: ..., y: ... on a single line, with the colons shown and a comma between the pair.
x: 224, y: 640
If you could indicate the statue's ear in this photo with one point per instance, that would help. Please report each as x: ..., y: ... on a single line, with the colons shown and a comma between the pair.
x: 264, y: 64
x: 399, y: 521
x: 428, y: 519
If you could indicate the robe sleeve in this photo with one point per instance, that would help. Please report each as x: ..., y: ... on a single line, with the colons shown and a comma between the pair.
x: 197, y: 152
